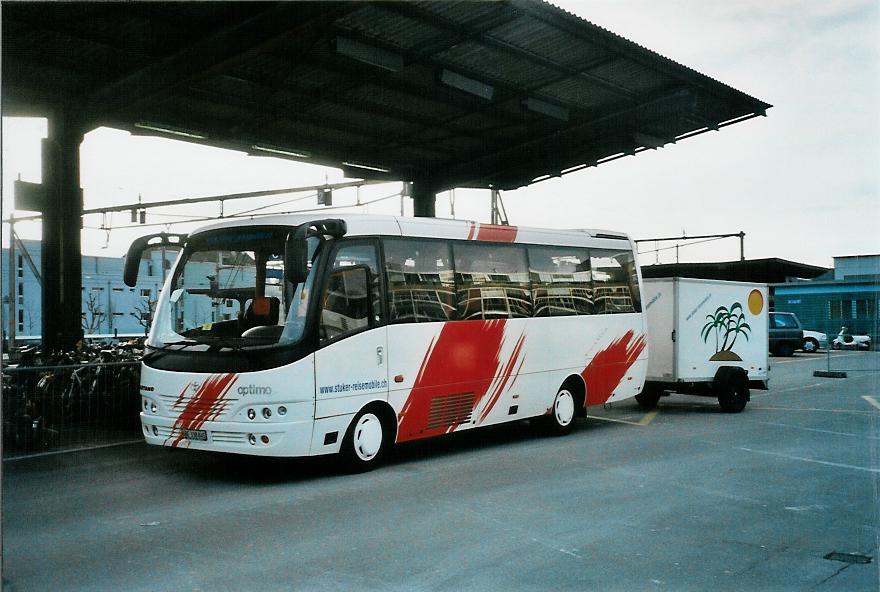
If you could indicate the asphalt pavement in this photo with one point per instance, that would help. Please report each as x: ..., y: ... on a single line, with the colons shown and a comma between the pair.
x: 683, y: 498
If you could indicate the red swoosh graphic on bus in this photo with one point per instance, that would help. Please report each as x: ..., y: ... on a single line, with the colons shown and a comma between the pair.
x: 491, y: 232
x: 502, y: 381
x: 201, y: 407
x: 470, y: 352
x: 608, y: 367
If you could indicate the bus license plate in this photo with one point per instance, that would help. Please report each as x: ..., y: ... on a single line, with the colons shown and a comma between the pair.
x: 196, y: 435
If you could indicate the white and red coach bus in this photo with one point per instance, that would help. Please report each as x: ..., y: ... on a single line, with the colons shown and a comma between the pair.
x: 290, y: 336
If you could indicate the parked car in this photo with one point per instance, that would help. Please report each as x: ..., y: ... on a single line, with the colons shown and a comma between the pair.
x: 814, y: 341
x: 786, y: 334
x: 846, y: 340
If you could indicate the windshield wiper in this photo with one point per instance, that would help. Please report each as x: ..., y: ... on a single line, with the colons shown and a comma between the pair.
x: 181, y: 342
x: 216, y: 343
x: 160, y: 350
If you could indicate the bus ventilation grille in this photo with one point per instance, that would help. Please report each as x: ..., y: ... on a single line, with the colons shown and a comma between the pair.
x: 450, y: 410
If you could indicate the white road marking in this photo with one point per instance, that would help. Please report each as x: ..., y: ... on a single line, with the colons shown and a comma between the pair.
x: 855, y: 411
x: 788, y: 390
x: 634, y: 423
x: 872, y: 401
x: 810, y: 460
x: 796, y: 427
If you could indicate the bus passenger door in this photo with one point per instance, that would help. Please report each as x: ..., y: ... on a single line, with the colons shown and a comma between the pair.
x: 351, y: 366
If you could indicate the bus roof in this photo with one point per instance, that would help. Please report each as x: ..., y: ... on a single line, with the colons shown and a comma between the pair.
x: 382, y: 225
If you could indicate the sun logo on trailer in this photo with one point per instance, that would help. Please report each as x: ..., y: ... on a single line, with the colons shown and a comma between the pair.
x: 726, y: 324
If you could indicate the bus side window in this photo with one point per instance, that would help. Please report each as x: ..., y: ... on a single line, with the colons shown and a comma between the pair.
x: 347, y: 301
x: 615, y: 283
x: 561, y: 284
x: 493, y: 281
x: 421, y: 285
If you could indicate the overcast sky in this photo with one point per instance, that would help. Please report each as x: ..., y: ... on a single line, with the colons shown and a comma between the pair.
x: 803, y: 183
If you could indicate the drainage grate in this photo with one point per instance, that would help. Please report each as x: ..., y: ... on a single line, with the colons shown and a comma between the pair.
x: 848, y: 557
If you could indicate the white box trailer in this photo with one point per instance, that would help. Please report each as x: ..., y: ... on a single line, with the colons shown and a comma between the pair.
x: 706, y: 337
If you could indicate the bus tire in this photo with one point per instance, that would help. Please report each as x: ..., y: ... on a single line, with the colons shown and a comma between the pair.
x: 560, y: 420
x: 366, y: 442
x: 648, y: 398
x: 733, y: 393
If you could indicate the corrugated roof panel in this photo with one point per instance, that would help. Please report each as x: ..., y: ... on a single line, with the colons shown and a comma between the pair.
x: 271, y: 70
x: 389, y: 27
x: 229, y: 86
x: 494, y: 64
x: 541, y: 39
x: 464, y: 13
x: 388, y: 97
x: 355, y: 118
x: 458, y: 145
x: 580, y: 92
x: 631, y: 75
x: 302, y: 131
x: 422, y: 154
x: 479, y: 122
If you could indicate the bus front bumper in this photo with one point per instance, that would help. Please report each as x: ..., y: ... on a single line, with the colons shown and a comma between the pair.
x: 258, y: 438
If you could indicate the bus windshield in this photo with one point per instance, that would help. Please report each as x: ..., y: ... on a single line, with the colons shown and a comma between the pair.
x: 228, y: 290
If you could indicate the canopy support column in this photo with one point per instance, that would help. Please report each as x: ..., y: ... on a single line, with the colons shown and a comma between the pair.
x: 424, y: 196
x: 61, y: 258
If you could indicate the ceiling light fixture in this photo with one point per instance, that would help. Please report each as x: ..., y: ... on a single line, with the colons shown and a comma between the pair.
x: 468, y: 85
x: 164, y: 129
x: 368, y: 54
x: 281, y: 151
x: 545, y: 108
x: 367, y: 167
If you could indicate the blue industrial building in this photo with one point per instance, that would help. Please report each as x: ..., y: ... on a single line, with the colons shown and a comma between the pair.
x: 109, y: 307
x: 847, y: 296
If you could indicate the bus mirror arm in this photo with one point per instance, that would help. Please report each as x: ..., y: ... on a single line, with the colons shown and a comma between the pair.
x: 137, y: 248
x: 296, y: 249
x: 296, y: 256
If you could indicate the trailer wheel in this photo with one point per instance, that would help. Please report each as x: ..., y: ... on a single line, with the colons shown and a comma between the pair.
x: 733, y: 393
x: 365, y: 443
x: 648, y: 398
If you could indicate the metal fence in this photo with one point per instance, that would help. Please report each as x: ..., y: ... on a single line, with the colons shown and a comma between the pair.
x: 55, y: 408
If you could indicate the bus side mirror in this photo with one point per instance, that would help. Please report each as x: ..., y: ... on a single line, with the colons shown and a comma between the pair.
x: 296, y: 258
x: 137, y: 248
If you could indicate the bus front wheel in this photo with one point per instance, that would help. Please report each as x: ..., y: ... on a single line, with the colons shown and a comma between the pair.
x: 365, y: 443
x: 561, y: 417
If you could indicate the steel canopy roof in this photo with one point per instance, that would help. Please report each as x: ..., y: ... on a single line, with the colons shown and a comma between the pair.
x: 453, y: 94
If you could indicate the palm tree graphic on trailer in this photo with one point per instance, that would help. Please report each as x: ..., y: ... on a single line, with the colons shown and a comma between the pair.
x: 727, y: 324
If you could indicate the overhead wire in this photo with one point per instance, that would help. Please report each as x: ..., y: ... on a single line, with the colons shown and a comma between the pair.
x: 249, y: 214
x: 659, y: 249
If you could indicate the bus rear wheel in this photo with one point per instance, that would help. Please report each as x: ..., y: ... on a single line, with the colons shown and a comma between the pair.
x: 561, y: 417
x: 365, y: 444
